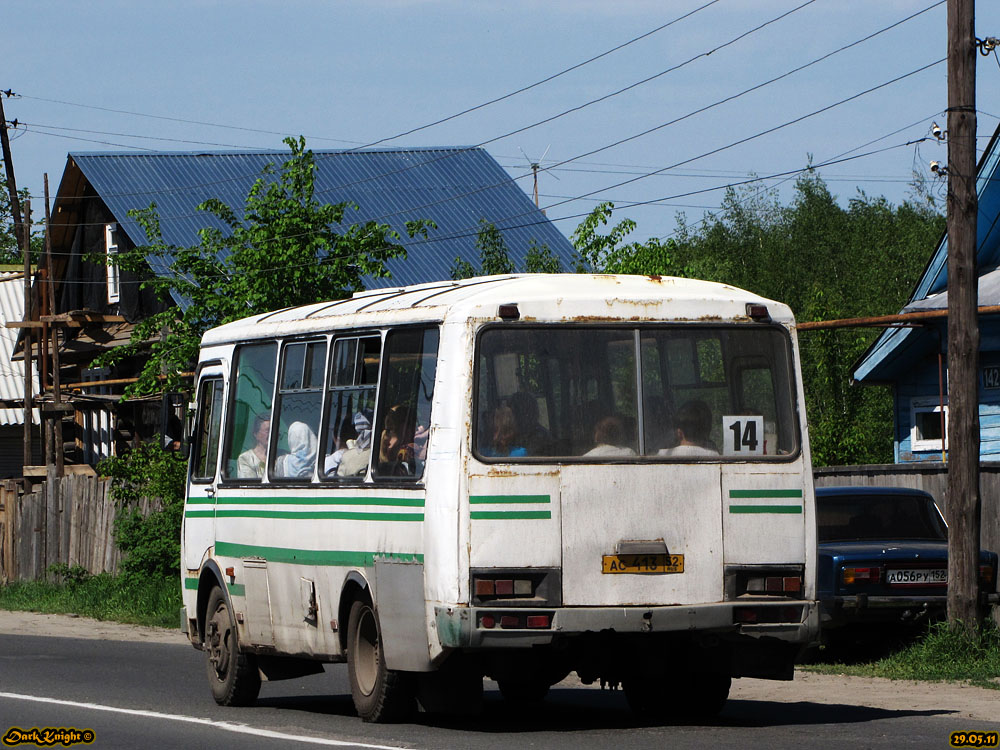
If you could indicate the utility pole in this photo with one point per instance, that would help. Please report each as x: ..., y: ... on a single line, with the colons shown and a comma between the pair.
x: 15, y: 206
x: 963, y: 326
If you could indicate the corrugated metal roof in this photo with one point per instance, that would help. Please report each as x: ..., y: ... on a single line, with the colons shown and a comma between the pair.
x: 454, y: 187
x: 12, y: 373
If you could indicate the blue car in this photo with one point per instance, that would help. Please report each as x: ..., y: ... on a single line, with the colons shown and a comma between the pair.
x: 883, y: 559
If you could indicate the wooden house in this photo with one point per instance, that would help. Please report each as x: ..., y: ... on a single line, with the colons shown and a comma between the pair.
x: 913, y: 359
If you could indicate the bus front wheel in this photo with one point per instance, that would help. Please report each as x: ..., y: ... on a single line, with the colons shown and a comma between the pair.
x: 233, y: 675
x: 380, y: 694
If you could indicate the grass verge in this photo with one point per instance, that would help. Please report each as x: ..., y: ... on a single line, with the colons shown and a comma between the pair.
x: 153, y: 601
x: 942, y: 654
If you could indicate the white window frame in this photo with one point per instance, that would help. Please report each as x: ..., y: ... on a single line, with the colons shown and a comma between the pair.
x: 925, y: 406
x: 111, y: 250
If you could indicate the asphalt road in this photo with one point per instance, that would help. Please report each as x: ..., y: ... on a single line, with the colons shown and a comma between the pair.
x: 153, y: 695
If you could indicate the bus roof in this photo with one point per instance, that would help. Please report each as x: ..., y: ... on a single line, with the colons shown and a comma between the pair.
x: 539, y: 297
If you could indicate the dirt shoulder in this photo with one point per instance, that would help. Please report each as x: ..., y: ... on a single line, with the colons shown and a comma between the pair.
x: 961, y: 701
x: 73, y: 626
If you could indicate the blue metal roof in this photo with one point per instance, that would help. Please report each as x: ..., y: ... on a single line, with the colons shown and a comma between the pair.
x: 455, y: 187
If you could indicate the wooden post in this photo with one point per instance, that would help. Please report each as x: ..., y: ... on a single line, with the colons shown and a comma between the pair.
x: 15, y: 205
x: 56, y: 396
x: 963, y: 325
x: 26, y: 340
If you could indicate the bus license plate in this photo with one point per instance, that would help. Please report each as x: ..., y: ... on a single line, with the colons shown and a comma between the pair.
x: 917, y: 575
x: 655, y: 563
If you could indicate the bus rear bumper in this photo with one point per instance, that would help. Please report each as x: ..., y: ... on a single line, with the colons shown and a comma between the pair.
x: 483, y: 627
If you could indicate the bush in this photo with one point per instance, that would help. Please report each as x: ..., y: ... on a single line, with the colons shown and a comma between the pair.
x: 150, y: 542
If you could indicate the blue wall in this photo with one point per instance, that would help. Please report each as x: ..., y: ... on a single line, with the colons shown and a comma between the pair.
x: 922, y: 383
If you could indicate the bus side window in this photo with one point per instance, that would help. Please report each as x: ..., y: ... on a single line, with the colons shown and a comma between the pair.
x: 298, y: 410
x: 347, y: 442
x: 208, y: 431
x: 246, y: 440
x: 405, y: 403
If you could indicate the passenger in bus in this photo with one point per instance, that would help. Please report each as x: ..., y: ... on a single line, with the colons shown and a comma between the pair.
x: 355, y: 460
x: 251, y: 462
x: 610, y: 439
x: 503, y: 438
x: 396, y: 450
x: 301, y: 456
x: 344, y: 433
x: 535, y: 438
x: 693, y: 425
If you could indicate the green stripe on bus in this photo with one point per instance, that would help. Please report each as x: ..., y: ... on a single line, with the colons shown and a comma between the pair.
x: 236, y: 589
x: 504, y: 515
x: 348, y: 558
x: 764, y: 493
x: 306, y: 515
x: 201, y: 501
x: 486, y: 499
x: 409, y: 502
x: 765, y: 508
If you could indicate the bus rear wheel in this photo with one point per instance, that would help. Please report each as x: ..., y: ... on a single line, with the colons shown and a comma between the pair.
x: 232, y: 675
x: 380, y: 694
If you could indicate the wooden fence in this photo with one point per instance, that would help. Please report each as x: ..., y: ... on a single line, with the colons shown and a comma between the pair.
x: 68, y: 520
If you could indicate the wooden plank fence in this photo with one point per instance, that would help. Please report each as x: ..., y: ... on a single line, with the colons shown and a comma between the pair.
x: 68, y: 520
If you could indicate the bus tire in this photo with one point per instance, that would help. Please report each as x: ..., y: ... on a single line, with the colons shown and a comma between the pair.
x: 232, y: 674
x: 380, y: 694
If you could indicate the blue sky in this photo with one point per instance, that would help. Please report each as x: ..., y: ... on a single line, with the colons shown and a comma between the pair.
x: 345, y: 74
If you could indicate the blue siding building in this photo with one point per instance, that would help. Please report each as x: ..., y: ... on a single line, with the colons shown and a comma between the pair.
x: 913, y: 360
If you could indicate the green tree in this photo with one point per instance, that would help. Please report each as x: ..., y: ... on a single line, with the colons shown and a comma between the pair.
x: 286, y: 249
x: 10, y: 252
x: 609, y: 253
x: 494, y: 256
x: 826, y: 262
x: 149, y: 541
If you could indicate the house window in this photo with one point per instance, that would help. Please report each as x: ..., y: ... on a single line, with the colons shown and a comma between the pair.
x: 927, y: 430
x: 111, y: 246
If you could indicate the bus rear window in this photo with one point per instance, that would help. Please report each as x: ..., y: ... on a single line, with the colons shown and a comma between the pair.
x: 663, y: 393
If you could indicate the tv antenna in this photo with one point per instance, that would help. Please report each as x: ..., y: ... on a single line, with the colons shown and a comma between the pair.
x: 535, y: 167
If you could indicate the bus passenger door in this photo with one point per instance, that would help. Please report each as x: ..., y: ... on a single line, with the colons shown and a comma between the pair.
x: 199, y: 508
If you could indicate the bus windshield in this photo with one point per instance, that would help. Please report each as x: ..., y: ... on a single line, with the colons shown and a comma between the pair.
x: 671, y: 393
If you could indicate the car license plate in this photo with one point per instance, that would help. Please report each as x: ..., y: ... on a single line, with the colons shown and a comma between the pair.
x: 917, y: 576
x: 650, y: 563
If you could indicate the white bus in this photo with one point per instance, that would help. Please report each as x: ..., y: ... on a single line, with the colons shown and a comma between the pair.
x: 514, y: 477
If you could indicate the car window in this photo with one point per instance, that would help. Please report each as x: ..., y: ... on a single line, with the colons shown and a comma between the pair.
x: 879, y: 518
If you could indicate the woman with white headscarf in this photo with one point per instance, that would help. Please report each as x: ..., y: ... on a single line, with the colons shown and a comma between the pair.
x: 301, y: 456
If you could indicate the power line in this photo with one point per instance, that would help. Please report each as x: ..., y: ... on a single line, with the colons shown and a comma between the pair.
x: 508, y: 134
x: 544, y: 80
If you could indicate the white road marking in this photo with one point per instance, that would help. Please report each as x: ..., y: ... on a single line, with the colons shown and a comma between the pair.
x: 228, y: 726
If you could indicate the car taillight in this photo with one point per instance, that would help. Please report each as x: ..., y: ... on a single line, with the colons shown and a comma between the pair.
x: 861, y: 575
